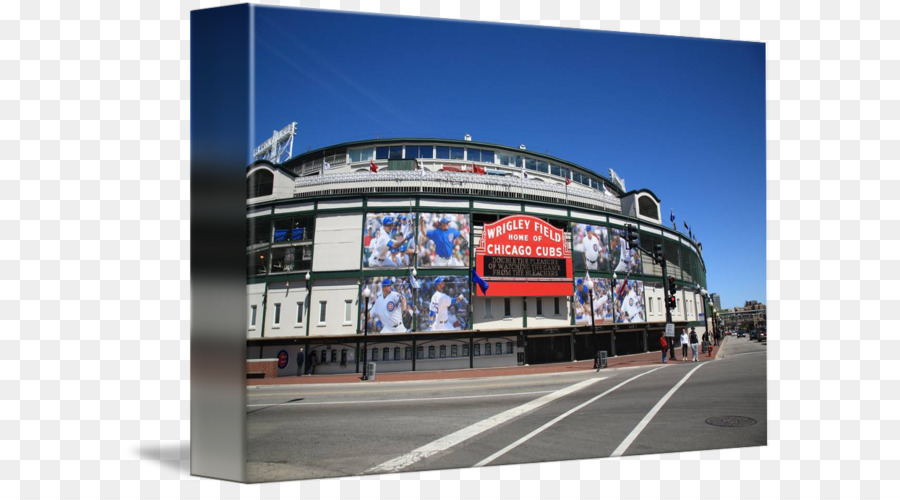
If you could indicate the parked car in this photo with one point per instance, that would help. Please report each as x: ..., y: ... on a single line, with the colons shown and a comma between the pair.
x: 761, y: 337
x: 754, y: 335
x: 741, y: 334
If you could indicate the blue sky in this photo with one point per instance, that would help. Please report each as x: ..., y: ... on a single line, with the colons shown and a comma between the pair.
x: 683, y: 117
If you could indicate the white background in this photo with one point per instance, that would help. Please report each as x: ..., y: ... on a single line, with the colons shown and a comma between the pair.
x: 94, y: 252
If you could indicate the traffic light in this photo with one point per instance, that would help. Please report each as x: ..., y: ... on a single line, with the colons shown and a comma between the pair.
x: 670, y: 301
x: 658, y: 256
x: 631, y: 235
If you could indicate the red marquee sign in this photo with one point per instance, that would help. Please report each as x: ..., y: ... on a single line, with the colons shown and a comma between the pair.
x: 524, y: 256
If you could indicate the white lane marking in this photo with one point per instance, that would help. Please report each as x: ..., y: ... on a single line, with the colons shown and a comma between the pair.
x: 544, y: 427
x: 450, y: 440
x: 300, y: 403
x: 649, y: 416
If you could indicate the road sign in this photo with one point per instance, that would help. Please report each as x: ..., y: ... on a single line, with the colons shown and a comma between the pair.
x: 670, y: 329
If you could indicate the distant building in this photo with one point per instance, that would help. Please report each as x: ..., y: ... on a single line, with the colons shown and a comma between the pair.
x: 717, y: 301
x: 752, y: 316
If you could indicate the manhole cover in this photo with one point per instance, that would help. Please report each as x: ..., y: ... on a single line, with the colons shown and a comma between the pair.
x: 730, y: 421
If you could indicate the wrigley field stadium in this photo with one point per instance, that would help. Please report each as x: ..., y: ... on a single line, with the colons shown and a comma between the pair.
x: 438, y: 254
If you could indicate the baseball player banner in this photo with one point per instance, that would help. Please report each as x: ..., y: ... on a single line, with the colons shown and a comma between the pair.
x: 442, y: 303
x: 624, y: 259
x: 524, y: 256
x: 629, y: 302
x: 388, y: 240
x: 590, y: 247
x: 443, y: 240
x: 600, y: 301
x: 390, y: 305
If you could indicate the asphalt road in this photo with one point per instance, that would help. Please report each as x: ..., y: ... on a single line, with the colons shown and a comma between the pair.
x: 302, y: 432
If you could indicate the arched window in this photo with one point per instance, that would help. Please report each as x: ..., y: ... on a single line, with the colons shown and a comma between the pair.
x: 647, y: 207
x: 260, y: 183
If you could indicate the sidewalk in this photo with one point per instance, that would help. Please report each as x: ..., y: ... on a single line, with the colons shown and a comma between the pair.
x: 642, y: 359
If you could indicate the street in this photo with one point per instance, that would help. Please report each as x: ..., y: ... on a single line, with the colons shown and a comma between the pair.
x: 299, y: 432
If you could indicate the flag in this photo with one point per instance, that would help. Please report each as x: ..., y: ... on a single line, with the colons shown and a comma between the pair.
x: 477, y: 169
x: 621, y: 289
x: 483, y: 285
x: 685, y: 224
x: 672, y: 216
x: 413, y: 280
x: 326, y: 165
x: 373, y: 167
x: 568, y: 181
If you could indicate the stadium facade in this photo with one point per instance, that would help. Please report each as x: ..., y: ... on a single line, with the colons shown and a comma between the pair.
x: 436, y: 254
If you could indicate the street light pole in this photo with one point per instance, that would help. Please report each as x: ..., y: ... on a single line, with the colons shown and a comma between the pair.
x: 366, y: 294
x: 590, y: 284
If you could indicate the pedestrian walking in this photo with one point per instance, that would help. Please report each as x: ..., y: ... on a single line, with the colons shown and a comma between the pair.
x: 662, y: 346
x: 694, y: 345
x: 684, y: 345
x: 301, y: 357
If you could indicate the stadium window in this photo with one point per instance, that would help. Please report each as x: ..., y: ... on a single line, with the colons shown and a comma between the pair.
x: 509, y: 348
x: 539, y: 310
x: 374, y: 354
x: 362, y: 154
x: 322, y: 305
x: 507, y: 307
x: 442, y: 152
x: 488, y: 308
x: 420, y: 352
x: 407, y: 353
x: 457, y: 153
x: 389, y: 152
x: 258, y: 232
x: 454, y: 351
x: 260, y: 183
x: 431, y: 352
x: 554, y: 170
x: 477, y: 351
x: 650, y: 304
x: 276, y: 319
x: 465, y: 350
x: 300, y: 312
x: 396, y: 354
x: 386, y: 354
x: 419, y: 152
x: 334, y: 355
x: 487, y: 348
x: 556, y: 306
x: 542, y: 166
x: 443, y: 351
x: 480, y: 155
x: 530, y: 164
x: 348, y: 311
x: 678, y: 305
x: 498, y: 348
x: 252, y: 316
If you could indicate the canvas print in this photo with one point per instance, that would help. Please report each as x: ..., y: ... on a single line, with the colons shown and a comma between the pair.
x: 473, y: 244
